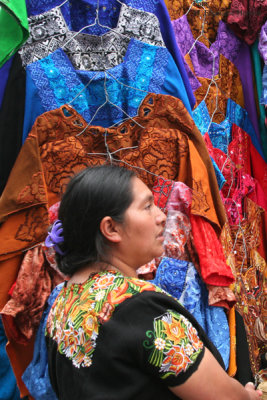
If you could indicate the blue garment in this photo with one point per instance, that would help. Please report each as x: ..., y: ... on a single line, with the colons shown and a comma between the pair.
x: 8, y: 386
x: 52, y: 82
x: 36, y: 376
x: 201, y: 118
x: 82, y: 13
x: 180, y: 279
x: 220, y: 134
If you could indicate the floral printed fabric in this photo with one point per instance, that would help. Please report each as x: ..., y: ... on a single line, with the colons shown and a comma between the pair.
x: 174, y: 344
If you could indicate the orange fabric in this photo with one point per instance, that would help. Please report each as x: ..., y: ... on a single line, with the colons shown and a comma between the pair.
x: 20, y: 356
x: 232, y: 330
x: 216, y: 10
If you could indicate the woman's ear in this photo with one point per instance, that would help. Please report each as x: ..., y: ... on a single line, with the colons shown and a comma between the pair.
x: 110, y: 229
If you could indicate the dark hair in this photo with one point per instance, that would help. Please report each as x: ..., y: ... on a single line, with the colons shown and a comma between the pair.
x: 90, y: 196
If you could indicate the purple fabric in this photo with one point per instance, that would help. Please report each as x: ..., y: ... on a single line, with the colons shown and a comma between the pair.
x: 229, y: 46
x: 263, y: 43
x: 4, y: 72
x: 84, y: 14
x: 244, y: 65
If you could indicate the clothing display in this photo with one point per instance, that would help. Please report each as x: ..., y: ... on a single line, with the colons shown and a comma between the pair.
x: 176, y: 91
x: 129, y: 314
x: 53, y: 81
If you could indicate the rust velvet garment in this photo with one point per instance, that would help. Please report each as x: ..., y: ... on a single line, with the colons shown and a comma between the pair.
x: 161, y: 140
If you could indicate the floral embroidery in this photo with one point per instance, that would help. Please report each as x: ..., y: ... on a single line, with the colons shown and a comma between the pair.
x: 75, y: 318
x: 174, y: 344
x: 33, y: 192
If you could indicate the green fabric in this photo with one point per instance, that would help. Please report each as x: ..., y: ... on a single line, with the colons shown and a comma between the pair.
x: 258, y: 79
x: 14, y: 28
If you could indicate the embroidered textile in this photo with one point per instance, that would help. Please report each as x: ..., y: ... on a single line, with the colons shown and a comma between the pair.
x: 211, y: 62
x: 251, y: 282
x: 53, y: 81
x: 125, y: 313
x: 246, y: 18
x: 49, y: 31
x: 181, y: 280
x: 58, y: 149
x: 79, y: 14
x: 35, y: 281
x: 262, y: 46
x: 212, y: 11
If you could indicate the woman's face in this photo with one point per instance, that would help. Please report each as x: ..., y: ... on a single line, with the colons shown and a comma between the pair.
x: 143, y: 227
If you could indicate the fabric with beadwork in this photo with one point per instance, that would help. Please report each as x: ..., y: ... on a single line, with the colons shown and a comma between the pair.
x: 80, y: 14
x: 127, y: 314
x: 53, y: 81
x: 49, y: 31
x: 180, y: 279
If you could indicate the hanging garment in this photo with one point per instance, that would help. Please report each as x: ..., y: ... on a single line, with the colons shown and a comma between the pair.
x: 205, y: 56
x: 221, y: 133
x: 181, y: 280
x: 54, y: 147
x: 197, y: 242
x: 82, y: 13
x: 13, y: 27
x: 53, y: 81
x: 35, y: 281
x: 263, y: 43
x: 246, y: 18
x: 212, y: 12
x: 36, y: 375
x: 11, y: 117
x: 49, y: 31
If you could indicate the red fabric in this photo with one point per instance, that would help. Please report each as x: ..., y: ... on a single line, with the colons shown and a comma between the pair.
x: 214, y: 270
x: 35, y: 281
x: 246, y: 18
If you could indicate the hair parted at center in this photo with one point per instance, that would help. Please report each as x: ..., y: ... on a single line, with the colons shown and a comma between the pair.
x: 91, y: 195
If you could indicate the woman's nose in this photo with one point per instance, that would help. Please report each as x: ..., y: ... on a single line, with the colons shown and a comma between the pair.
x: 161, y: 217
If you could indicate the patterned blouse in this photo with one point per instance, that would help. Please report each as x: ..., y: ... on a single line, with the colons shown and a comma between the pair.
x: 120, y: 338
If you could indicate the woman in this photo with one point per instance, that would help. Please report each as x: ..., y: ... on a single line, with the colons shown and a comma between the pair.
x: 110, y: 335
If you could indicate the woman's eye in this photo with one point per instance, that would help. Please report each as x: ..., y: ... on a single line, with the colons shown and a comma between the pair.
x: 148, y: 206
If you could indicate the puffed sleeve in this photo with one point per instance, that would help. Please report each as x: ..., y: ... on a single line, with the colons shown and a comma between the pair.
x: 161, y: 337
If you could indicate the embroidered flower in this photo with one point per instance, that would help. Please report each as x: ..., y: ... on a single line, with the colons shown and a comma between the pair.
x: 174, y: 330
x: 176, y: 360
x: 160, y: 344
x: 104, y: 282
x: 90, y: 324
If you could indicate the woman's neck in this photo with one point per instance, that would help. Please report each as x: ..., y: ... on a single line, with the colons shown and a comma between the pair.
x: 116, y: 265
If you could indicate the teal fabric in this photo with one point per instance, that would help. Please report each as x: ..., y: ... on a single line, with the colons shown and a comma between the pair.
x: 258, y: 71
